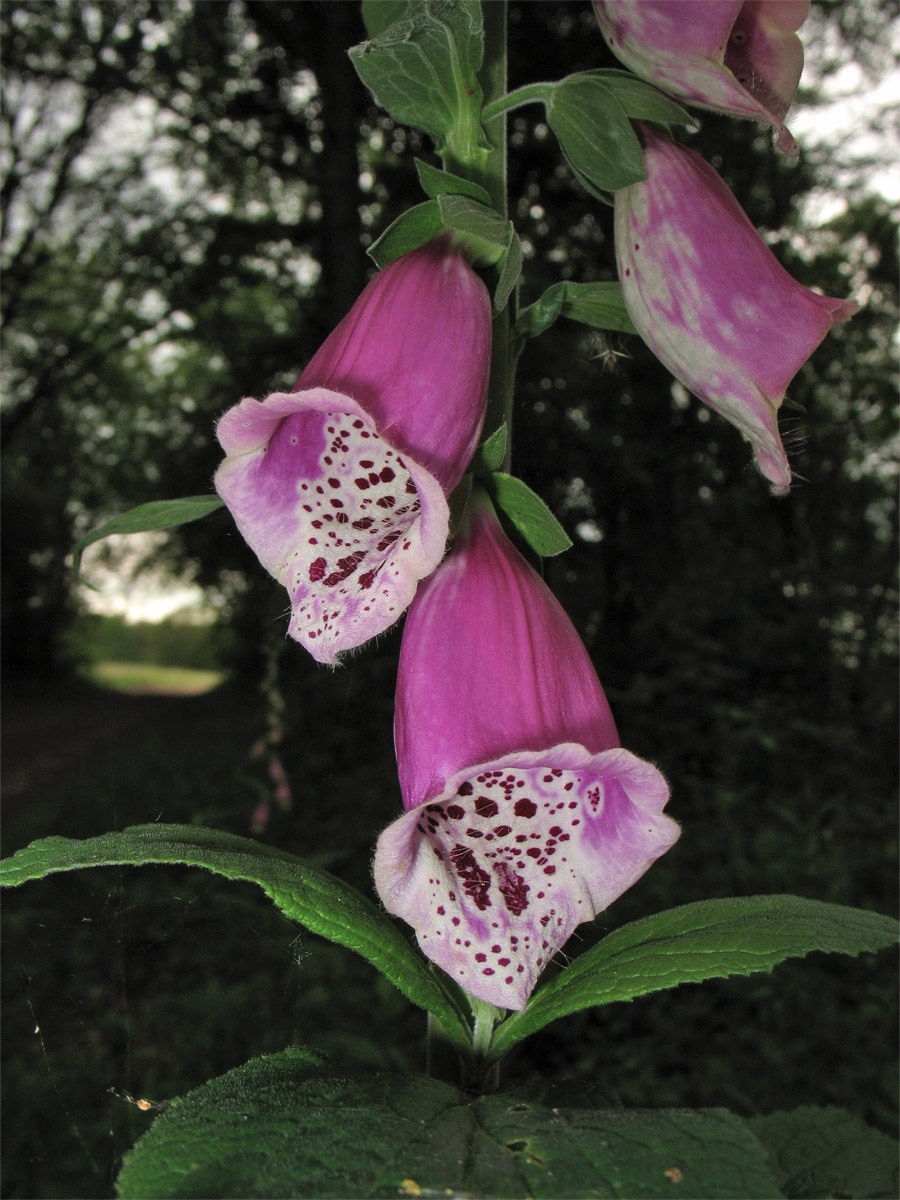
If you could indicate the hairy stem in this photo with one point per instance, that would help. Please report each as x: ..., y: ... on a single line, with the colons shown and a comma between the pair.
x: 531, y: 93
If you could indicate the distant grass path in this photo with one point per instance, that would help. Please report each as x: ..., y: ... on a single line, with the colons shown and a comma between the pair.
x: 151, y: 679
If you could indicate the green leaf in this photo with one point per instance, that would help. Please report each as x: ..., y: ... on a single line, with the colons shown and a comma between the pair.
x: 492, y: 451
x: 818, y: 1152
x: 642, y: 102
x: 510, y: 272
x: 486, y: 234
x: 286, y: 1125
x: 443, y: 183
x: 316, y: 899
x: 158, y: 514
x: 599, y: 305
x: 595, y: 134
x: 468, y: 216
x: 538, y: 317
x: 529, y: 514
x: 377, y: 15
x: 412, y: 229
x: 707, y: 940
x: 423, y: 68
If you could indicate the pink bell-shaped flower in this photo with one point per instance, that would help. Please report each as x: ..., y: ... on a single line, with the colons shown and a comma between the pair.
x: 524, y: 816
x: 340, y: 486
x: 741, y: 58
x: 711, y: 300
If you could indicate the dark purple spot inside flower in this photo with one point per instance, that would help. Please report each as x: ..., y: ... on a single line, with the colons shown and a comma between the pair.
x: 455, y: 812
x: 317, y: 570
x: 513, y: 888
x: 525, y: 808
x: 476, y: 881
x: 346, y: 566
x: 486, y: 807
x: 465, y: 790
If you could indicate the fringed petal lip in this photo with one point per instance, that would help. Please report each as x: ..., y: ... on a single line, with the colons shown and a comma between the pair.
x: 338, y: 516
x: 497, y: 871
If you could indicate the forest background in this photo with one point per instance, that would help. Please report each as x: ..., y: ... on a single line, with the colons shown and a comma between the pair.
x: 188, y: 192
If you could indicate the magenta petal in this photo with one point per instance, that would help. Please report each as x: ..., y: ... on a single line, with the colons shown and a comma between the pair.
x: 497, y: 871
x: 332, y: 510
x: 711, y: 300
x: 414, y: 351
x: 489, y: 662
x: 743, y: 59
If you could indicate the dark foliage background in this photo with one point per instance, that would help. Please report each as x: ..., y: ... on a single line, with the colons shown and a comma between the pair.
x: 189, y: 189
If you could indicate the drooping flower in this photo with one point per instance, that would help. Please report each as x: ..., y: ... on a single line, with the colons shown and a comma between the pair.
x: 710, y: 299
x: 524, y: 816
x: 340, y: 486
x: 734, y: 57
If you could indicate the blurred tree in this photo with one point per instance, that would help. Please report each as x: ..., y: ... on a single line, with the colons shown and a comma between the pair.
x: 174, y: 186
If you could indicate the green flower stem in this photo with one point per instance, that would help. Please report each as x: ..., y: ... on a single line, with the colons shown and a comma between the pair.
x: 488, y: 167
x: 531, y: 93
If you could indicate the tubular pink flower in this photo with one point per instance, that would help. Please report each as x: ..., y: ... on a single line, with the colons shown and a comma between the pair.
x: 711, y: 300
x: 524, y: 815
x: 743, y: 59
x: 340, y: 486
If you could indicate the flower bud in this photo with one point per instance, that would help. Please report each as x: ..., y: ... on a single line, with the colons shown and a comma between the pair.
x: 710, y: 299
x: 340, y: 486
x: 743, y: 59
x: 524, y: 815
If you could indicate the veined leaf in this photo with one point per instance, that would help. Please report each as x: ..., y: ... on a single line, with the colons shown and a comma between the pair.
x: 642, y: 101
x: 377, y: 15
x: 288, y: 1125
x: 595, y: 134
x: 412, y: 229
x: 423, y: 68
x: 443, y: 183
x: 316, y: 899
x: 819, y: 1152
x: 492, y: 451
x: 599, y: 305
x: 157, y: 514
x: 707, y: 940
x: 528, y: 513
